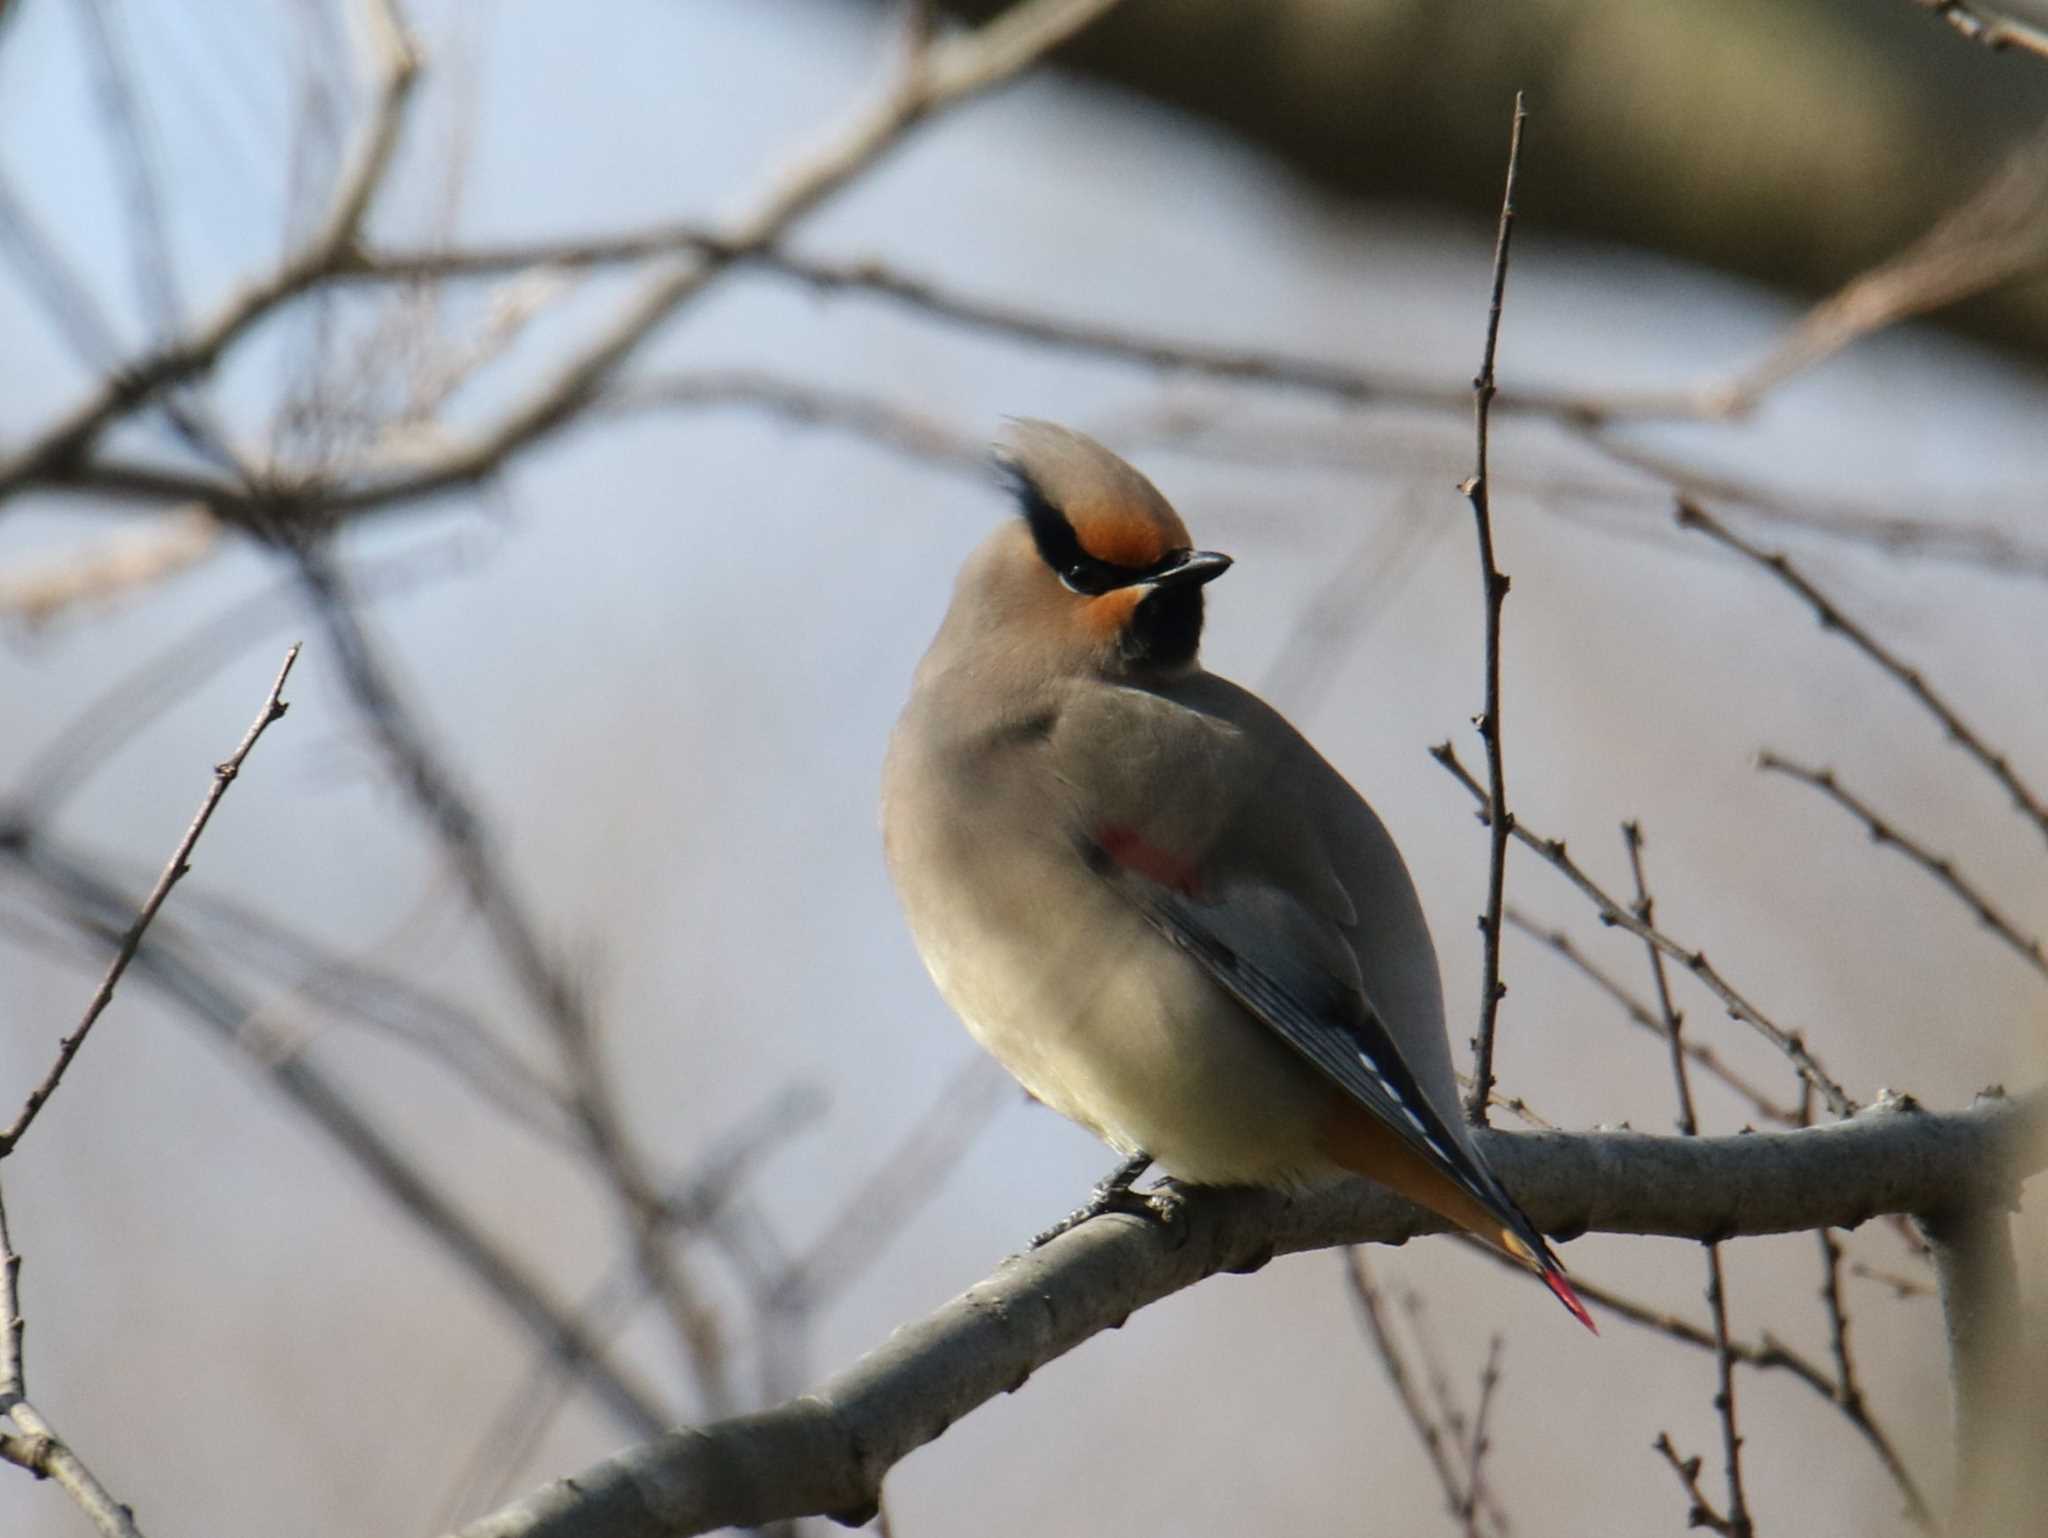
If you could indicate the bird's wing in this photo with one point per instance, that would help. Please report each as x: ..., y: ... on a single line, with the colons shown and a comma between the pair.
x: 1196, y: 818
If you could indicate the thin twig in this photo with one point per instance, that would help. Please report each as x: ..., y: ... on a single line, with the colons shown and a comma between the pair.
x: 223, y: 776
x: 927, y: 297
x: 1987, y: 241
x: 1941, y: 867
x: 1372, y: 1313
x: 1499, y: 820
x: 1900, y: 1286
x: 190, y: 976
x: 1766, y: 1354
x: 1995, y: 236
x: 914, y: 433
x: 1983, y: 546
x: 35, y: 1444
x: 1691, y: 516
x: 64, y: 444
x: 1847, y: 1390
x: 1702, y: 1513
x: 1992, y: 29
x: 697, y: 1202
x: 1700, y: 1055
x: 1669, y: 1017
x: 74, y: 310
x: 950, y: 71
x: 153, y: 264
x: 1476, y: 1445
x: 1553, y: 851
x: 1737, y: 1519
x: 909, y: 1175
x: 451, y: 816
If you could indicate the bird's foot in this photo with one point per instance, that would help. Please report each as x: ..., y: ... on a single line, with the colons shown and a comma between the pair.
x: 1167, y: 1202
x: 1113, y: 1193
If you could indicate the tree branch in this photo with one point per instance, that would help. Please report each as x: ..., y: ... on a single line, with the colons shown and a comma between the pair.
x: 828, y: 1451
x: 1988, y: 1359
x: 1941, y: 867
x: 223, y: 776
x: 64, y: 443
x: 1996, y: 764
x: 1494, y: 585
x: 1553, y: 851
x: 1991, y: 29
x: 34, y: 1444
x: 937, y: 78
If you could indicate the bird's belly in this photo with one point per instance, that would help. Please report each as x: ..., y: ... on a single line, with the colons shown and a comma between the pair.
x: 1103, y: 1019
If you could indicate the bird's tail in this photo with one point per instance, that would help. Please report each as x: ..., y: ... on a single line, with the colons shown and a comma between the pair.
x: 1467, y: 1193
x: 1532, y: 1252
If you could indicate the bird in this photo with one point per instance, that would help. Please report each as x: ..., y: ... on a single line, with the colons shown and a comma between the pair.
x: 1146, y: 894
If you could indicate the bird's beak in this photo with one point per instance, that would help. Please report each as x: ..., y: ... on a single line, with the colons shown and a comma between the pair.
x: 1189, y: 568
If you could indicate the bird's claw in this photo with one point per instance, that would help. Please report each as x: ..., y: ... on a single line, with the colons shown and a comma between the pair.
x: 1113, y: 1193
x: 1165, y: 1204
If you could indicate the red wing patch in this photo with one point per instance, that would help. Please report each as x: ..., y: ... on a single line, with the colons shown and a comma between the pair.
x: 1129, y: 849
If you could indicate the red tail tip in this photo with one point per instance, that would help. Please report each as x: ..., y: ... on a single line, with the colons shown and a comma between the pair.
x: 1555, y: 1280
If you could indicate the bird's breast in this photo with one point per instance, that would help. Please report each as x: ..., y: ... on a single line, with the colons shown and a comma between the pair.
x: 1094, y: 1011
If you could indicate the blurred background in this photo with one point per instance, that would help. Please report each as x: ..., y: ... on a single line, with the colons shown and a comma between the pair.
x: 553, y: 914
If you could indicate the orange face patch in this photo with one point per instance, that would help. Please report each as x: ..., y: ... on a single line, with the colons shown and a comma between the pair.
x: 1111, y: 614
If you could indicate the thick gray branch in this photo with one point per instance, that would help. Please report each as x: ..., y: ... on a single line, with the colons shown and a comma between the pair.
x: 827, y: 1452
x: 1990, y: 1366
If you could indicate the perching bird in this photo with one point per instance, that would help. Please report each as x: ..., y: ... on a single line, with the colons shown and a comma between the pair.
x: 1144, y: 891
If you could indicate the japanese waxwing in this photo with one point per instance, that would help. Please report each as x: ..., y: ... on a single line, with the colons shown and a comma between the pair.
x: 1144, y: 891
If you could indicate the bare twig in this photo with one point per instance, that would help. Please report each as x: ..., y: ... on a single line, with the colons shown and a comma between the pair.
x: 63, y: 445
x: 223, y: 776
x: 1702, y: 1513
x: 1995, y: 236
x: 1941, y: 867
x: 1992, y: 238
x: 1365, y: 1293
x: 1983, y: 546
x: 1847, y: 1390
x: 1697, y: 1053
x: 1739, y: 1525
x: 1476, y: 1445
x: 1767, y: 1354
x: 949, y: 71
x: 449, y: 814
x: 153, y: 264
x: 914, y: 433
x: 49, y: 277
x: 190, y: 977
x: 926, y: 297
x: 908, y: 1177
x: 125, y: 560
x: 1736, y: 1521
x: 1671, y: 1021
x: 1992, y: 29
x: 1553, y: 851
x: 1494, y: 582
x: 66, y: 762
x: 697, y: 1202
x: 34, y: 1443
x: 1900, y: 1286
x: 1832, y: 618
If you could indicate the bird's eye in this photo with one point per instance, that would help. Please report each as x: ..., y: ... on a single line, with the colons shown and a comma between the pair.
x: 1092, y: 578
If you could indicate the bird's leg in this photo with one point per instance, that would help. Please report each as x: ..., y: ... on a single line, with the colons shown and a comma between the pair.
x: 1112, y: 1193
